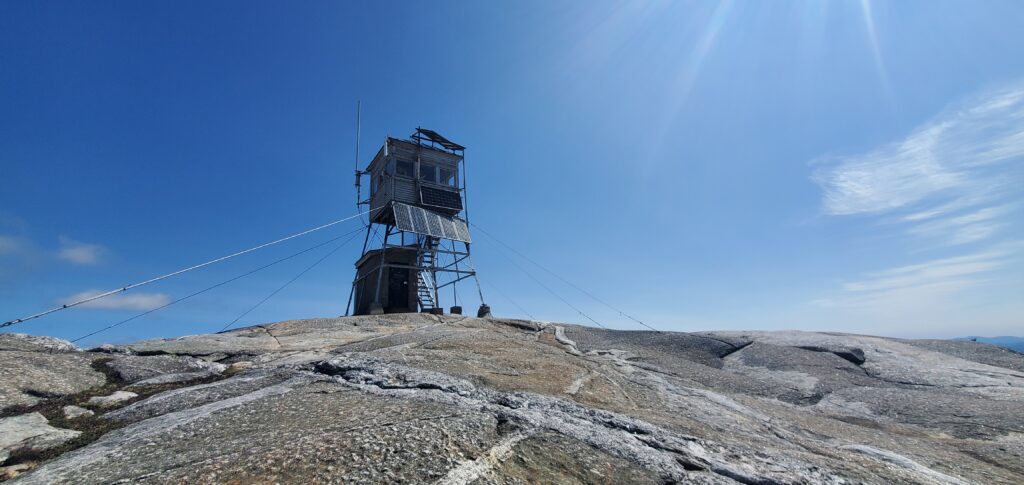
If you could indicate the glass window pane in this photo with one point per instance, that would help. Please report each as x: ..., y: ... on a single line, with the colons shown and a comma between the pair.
x: 428, y: 172
x: 447, y: 176
x: 404, y: 168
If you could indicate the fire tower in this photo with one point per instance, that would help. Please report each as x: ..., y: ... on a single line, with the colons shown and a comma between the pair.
x: 417, y: 234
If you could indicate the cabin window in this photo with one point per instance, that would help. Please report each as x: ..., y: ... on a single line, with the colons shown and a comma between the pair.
x: 404, y: 168
x: 428, y: 172
x: 446, y: 176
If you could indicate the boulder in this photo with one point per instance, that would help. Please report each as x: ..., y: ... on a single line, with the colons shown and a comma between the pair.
x: 35, y: 343
x: 30, y: 431
x: 112, y: 349
x: 240, y: 366
x: 174, y: 378
x: 9, y: 472
x: 111, y: 400
x: 136, y: 368
x: 72, y: 412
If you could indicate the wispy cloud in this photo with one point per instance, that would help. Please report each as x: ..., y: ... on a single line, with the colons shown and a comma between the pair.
x: 953, y: 184
x: 921, y: 274
x: 952, y: 171
x: 119, y: 301
x: 81, y: 253
x: 920, y: 282
x: 966, y: 228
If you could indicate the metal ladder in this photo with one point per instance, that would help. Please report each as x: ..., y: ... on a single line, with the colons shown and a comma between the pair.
x: 425, y: 284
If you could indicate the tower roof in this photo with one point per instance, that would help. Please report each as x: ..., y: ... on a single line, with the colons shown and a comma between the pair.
x: 436, y: 137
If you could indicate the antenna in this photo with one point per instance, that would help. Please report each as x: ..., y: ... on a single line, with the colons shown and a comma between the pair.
x: 359, y: 173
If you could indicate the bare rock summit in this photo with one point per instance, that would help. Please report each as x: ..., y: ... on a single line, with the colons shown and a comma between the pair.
x: 418, y: 398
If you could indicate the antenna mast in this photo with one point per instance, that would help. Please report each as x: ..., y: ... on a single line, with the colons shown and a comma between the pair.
x: 359, y: 173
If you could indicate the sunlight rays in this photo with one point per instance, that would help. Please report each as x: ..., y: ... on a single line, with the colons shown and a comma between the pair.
x: 687, y: 75
x: 876, y: 51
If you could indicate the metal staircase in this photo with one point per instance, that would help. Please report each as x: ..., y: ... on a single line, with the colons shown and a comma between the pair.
x: 426, y: 286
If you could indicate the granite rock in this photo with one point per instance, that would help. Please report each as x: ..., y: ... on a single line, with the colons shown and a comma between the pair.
x: 34, y: 372
x: 136, y: 368
x: 457, y: 400
x: 111, y: 400
x: 72, y: 412
x: 31, y: 431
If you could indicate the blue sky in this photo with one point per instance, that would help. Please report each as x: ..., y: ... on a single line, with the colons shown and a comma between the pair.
x: 847, y: 166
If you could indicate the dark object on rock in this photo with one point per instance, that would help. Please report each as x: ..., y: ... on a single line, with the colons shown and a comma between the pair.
x: 484, y: 311
x: 456, y: 310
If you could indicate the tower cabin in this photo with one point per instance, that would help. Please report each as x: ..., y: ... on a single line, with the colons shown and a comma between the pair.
x: 421, y: 172
x: 416, y: 197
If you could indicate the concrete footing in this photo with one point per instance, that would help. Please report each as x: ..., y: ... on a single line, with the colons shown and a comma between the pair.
x: 456, y: 310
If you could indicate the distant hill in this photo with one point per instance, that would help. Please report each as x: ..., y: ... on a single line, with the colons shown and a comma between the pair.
x: 1012, y: 343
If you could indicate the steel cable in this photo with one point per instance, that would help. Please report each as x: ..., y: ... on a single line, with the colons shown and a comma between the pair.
x: 178, y: 272
x: 563, y: 280
x: 222, y: 283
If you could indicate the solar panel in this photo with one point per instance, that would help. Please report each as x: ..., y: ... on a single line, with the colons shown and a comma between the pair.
x: 463, y: 232
x: 445, y: 199
x: 402, y: 216
x: 434, y: 226
x: 421, y: 221
x: 448, y: 229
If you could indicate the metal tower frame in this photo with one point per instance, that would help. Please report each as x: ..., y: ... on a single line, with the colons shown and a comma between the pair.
x: 429, y: 268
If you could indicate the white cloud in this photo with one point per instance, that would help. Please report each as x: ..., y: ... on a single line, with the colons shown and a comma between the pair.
x: 943, y: 270
x: 925, y: 283
x: 957, y: 170
x: 120, y: 301
x: 953, y: 187
x: 78, y: 252
x: 966, y: 228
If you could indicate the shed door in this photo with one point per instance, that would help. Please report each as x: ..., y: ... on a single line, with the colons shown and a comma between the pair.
x: 398, y: 289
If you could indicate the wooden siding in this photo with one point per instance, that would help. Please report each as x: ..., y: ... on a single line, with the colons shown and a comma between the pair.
x: 398, y: 188
x: 405, y: 191
x: 409, y: 151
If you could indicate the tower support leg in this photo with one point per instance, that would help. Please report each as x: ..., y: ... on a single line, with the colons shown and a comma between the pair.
x: 355, y: 279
